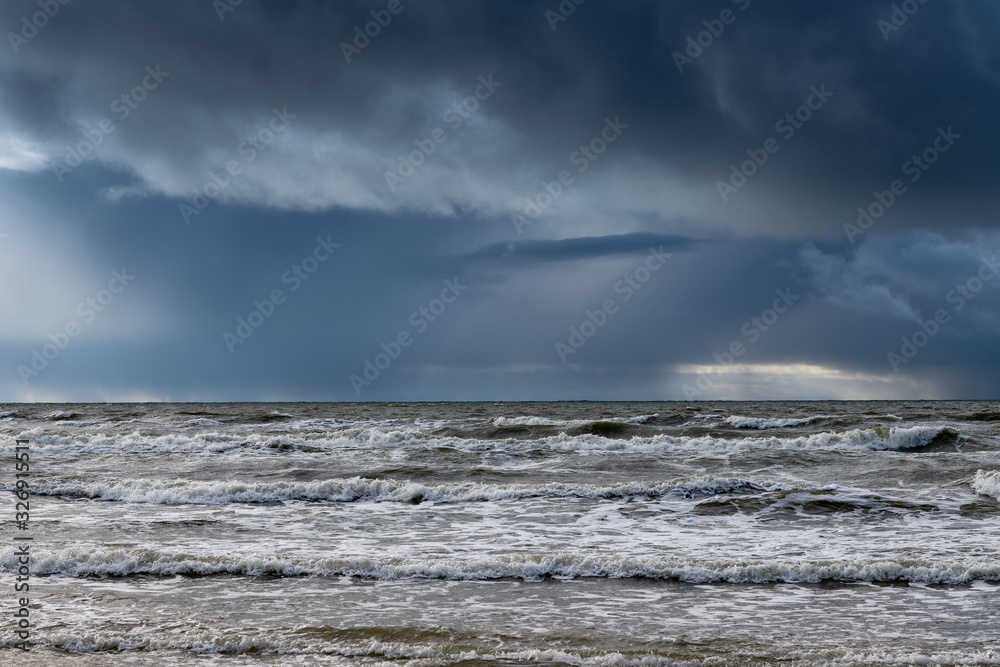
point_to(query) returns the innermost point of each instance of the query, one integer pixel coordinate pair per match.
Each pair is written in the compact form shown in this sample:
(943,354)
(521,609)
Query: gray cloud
(551,97)
(911,277)
(353,121)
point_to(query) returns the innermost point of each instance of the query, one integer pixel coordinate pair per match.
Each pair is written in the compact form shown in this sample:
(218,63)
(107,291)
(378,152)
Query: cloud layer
(550,92)
(745,149)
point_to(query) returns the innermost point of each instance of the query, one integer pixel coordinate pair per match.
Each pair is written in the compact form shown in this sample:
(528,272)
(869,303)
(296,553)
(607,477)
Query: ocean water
(646,534)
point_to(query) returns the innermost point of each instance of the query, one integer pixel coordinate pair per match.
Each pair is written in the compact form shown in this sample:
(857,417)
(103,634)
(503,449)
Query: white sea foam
(871,439)
(531,421)
(330,424)
(763,423)
(641,419)
(544,421)
(201,421)
(882,438)
(188,492)
(987,483)
(905,657)
(304,642)
(100,562)
(206,642)
(300,642)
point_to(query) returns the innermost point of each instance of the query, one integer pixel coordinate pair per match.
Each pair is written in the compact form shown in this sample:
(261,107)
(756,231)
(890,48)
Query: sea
(462,534)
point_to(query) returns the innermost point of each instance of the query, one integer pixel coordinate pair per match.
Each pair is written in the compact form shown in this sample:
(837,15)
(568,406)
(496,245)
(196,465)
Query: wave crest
(764,423)
(987,483)
(188,492)
(98,562)
(354,438)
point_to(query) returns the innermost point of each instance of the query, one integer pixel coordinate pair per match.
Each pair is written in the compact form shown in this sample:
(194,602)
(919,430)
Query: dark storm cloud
(496,112)
(354,120)
(912,277)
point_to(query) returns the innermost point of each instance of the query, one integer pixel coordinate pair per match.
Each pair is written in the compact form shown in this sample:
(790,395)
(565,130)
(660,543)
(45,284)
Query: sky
(416,200)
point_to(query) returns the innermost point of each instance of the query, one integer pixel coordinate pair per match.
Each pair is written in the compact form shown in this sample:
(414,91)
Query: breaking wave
(431,647)
(763,423)
(595,439)
(99,562)
(187,492)
(544,421)
(987,483)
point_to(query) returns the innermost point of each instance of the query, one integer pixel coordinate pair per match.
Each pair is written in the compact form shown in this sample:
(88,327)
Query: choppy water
(495,534)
